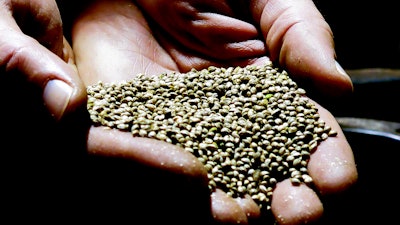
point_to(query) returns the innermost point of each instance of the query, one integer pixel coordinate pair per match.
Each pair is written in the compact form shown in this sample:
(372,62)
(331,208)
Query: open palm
(116,40)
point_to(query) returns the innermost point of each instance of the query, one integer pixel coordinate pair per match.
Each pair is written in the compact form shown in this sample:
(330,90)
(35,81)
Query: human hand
(34,52)
(109,39)
(33,49)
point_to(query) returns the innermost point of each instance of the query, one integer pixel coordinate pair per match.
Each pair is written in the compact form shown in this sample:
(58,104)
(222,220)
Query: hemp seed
(250,126)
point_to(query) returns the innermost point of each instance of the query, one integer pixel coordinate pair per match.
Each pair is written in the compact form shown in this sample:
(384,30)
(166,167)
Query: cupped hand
(115,40)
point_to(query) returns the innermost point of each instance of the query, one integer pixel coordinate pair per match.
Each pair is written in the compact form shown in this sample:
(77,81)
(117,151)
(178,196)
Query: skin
(108,40)
(115,40)
(42,56)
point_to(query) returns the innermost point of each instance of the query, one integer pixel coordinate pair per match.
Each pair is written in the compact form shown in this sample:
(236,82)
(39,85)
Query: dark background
(366,33)
(367,41)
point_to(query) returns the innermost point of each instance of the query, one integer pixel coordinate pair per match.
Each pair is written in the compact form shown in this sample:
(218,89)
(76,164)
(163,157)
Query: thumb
(48,66)
(301,41)
(62,89)
(65,95)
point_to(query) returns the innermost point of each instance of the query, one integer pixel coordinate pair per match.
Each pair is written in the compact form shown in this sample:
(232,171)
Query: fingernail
(56,97)
(340,69)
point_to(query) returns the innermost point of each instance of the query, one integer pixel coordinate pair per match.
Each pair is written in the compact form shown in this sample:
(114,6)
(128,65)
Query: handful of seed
(251,127)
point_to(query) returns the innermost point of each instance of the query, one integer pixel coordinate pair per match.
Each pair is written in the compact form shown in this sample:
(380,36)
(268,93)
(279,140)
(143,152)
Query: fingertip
(321,74)
(346,78)
(250,207)
(333,81)
(56,96)
(226,210)
(63,92)
(332,166)
(311,58)
(295,204)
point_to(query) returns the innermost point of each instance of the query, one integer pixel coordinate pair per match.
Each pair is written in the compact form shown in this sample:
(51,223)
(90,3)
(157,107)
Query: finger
(227,210)
(151,173)
(157,154)
(209,29)
(249,207)
(63,91)
(299,38)
(332,165)
(295,204)
(41,20)
(332,168)
(219,37)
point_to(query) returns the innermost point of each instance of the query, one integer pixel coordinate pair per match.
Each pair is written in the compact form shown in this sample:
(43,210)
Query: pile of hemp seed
(250,126)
